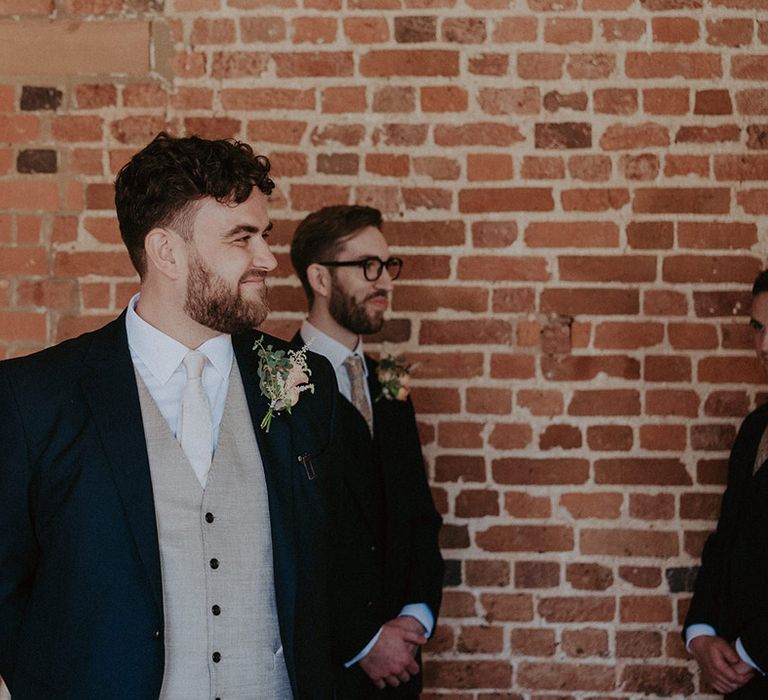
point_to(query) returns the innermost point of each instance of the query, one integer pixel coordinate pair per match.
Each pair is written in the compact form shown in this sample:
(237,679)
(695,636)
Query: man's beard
(211,302)
(351,314)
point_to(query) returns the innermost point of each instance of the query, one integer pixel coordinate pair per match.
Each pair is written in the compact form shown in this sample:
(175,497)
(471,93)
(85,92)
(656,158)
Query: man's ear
(319,278)
(163,250)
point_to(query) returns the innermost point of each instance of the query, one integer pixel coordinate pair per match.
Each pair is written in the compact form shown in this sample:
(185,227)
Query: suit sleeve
(425,579)
(18,549)
(705,607)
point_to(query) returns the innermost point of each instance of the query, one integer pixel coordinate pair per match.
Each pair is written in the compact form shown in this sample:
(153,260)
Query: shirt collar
(162,354)
(330,348)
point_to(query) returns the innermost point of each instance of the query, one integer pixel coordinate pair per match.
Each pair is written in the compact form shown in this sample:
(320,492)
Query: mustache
(254,276)
(375,295)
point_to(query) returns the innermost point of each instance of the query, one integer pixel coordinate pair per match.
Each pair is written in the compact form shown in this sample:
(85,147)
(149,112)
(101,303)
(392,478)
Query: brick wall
(579,190)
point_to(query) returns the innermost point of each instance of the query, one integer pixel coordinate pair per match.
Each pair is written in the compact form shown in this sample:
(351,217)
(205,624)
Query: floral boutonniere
(282,377)
(394,375)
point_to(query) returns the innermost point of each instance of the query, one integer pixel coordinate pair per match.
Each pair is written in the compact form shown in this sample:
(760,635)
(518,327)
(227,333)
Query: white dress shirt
(158,359)
(336,353)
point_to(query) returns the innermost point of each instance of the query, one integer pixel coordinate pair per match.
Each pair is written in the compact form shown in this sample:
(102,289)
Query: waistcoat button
(216,610)
(214,563)
(209,517)
(216,657)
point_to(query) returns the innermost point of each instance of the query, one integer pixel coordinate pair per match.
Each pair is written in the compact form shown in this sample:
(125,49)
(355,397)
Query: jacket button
(156,634)
(214,563)
(216,657)
(369,604)
(216,610)
(373,547)
(209,517)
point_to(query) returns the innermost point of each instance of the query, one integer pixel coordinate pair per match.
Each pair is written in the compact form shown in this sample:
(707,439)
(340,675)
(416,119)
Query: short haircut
(320,236)
(761,283)
(163,182)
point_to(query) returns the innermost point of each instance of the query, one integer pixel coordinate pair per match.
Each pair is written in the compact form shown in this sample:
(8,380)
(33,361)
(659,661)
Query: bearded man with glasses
(387,569)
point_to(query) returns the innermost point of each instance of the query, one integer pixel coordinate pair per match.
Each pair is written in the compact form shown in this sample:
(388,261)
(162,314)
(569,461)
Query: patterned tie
(195,425)
(354,366)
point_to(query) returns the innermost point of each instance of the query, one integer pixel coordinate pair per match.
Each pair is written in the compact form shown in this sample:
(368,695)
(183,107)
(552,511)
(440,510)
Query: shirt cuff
(423,614)
(366,649)
(698,630)
(746,658)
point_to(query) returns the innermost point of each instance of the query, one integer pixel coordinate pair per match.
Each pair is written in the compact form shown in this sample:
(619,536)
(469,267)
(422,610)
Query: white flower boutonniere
(394,375)
(282,377)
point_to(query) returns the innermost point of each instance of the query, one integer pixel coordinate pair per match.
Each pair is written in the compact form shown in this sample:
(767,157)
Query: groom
(156,541)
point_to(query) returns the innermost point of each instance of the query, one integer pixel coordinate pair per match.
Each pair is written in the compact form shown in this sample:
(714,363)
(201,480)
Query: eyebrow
(246,228)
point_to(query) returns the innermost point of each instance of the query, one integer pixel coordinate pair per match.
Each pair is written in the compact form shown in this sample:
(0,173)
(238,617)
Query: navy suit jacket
(385,551)
(81,611)
(730,592)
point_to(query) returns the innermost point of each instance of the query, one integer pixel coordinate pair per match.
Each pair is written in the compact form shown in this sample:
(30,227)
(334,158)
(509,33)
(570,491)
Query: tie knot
(194,362)
(353,364)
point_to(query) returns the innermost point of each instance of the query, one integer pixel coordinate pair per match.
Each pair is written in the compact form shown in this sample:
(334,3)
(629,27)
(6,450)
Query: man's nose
(263,258)
(385,280)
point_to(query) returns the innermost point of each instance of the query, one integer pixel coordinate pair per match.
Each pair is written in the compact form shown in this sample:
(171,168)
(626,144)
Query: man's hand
(391,661)
(720,665)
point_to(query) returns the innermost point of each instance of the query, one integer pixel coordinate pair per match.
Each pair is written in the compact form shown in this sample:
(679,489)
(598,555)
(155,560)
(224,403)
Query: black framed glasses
(372,267)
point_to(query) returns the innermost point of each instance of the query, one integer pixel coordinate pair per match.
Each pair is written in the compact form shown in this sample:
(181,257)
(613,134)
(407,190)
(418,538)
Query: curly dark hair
(323,232)
(156,187)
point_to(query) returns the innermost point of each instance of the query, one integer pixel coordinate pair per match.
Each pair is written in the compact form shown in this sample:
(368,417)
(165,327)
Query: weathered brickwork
(579,189)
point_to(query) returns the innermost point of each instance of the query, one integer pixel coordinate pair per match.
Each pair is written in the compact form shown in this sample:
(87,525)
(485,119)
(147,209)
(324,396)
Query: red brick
(409,63)
(508,101)
(241,64)
(730,32)
(712,438)
(366,30)
(510,436)
(626,268)
(525,538)
(314,30)
(600,301)
(590,168)
(659,506)
(667,368)
(26,194)
(436,167)
(595,199)
(540,402)
(467,674)
(641,470)
(615,101)
(567,30)
(532,642)
(671,402)
(595,234)
(521,505)
(540,66)
(622,29)
(476,503)
(646,135)
(277,131)
(514,29)
(464,30)
(313,64)
(645,609)
(606,506)
(658,680)
(489,64)
(556,676)
(589,577)
(753,201)
(686,165)
(266,99)
(641,576)
(505,199)
(700,506)
(263,30)
(213,31)
(628,335)
(692,66)
(566,437)
(675,30)
(604,402)
(519,470)
(682,200)
(712,269)
(444,99)
(577,609)
(727,404)
(629,543)
(487,573)
(595,66)
(387,164)
(488,400)
(477,134)
(23,326)
(507,300)
(480,640)
(459,468)
(584,643)
(23,261)
(666,101)
(542,168)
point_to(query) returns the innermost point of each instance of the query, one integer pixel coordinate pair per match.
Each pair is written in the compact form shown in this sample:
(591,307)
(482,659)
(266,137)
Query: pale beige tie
(762,452)
(195,425)
(356,372)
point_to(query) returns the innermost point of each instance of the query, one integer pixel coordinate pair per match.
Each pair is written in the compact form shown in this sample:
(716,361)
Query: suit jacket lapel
(110,389)
(275,447)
